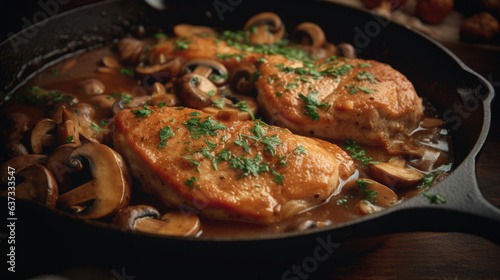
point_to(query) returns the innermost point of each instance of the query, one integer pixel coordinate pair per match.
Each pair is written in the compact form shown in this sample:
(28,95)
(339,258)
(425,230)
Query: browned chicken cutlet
(238,170)
(339,99)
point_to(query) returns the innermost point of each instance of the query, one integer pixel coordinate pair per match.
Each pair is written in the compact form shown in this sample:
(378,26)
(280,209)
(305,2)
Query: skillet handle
(465,210)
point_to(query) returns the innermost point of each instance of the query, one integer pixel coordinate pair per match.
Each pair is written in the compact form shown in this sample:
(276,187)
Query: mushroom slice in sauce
(110,187)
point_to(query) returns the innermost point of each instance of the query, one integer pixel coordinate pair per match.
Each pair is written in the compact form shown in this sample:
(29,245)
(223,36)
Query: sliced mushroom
(195,90)
(160,71)
(57,165)
(19,163)
(242,77)
(187,30)
(373,195)
(84,112)
(265,28)
(310,34)
(130,50)
(110,187)
(160,97)
(208,68)
(68,132)
(136,102)
(17,125)
(103,102)
(91,87)
(37,184)
(395,176)
(347,50)
(111,62)
(42,135)
(15,148)
(145,218)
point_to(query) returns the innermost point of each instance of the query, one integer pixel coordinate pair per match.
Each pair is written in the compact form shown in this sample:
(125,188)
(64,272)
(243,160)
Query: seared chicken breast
(338,99)
(236,170)
(332,99)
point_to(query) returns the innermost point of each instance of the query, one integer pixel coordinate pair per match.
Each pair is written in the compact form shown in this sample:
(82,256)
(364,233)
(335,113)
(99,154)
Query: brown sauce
(66,75)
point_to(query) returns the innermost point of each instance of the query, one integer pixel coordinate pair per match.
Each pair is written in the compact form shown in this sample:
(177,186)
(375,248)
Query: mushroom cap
(269,28)
(130,50)
(127,217)
(90,87)
(42,135)
(19,163)
(205,68)
(57,165)
(39,185)
(15,148)
(308,33)
(110,187)
(242,77)
(161,71)
(383,198)
(194,90)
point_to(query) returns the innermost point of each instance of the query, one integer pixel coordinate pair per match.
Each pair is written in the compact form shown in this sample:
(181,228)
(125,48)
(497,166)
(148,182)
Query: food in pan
(204,132)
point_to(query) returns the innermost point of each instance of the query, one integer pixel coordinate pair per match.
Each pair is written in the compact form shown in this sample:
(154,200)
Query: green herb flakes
(144,112)
(165,133)
(311,104)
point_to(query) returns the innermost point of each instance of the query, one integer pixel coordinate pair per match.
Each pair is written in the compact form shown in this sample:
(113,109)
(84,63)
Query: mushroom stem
(82,194)
(203,70)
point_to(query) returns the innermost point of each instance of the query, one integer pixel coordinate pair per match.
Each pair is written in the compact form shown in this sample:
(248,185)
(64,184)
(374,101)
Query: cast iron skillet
(48,240)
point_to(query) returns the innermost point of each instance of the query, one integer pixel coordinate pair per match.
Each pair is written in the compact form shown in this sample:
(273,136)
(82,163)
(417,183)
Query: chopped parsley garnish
(300,150)
(343,201)
(210,145)
(226,57)
(165,133)
(161,105)
(144,112)
(160,36)
(126,98)
(355,88)
(278,178)
(429,178)
(41,96)
(208,127)
(358,153)
(369,195)
(211,92)
(219,103)
(262,59)
(181,45)
(366,76)
(311,104)
(242,106)
(127,71)
(70,139)
(190,182)
(216,77)
(364,65)
(222,156)
(56,72)
(259,135)
(435,198)
(291,85)
(243,143)
(255,76)
(253,166)
(95,127)
(194,114)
